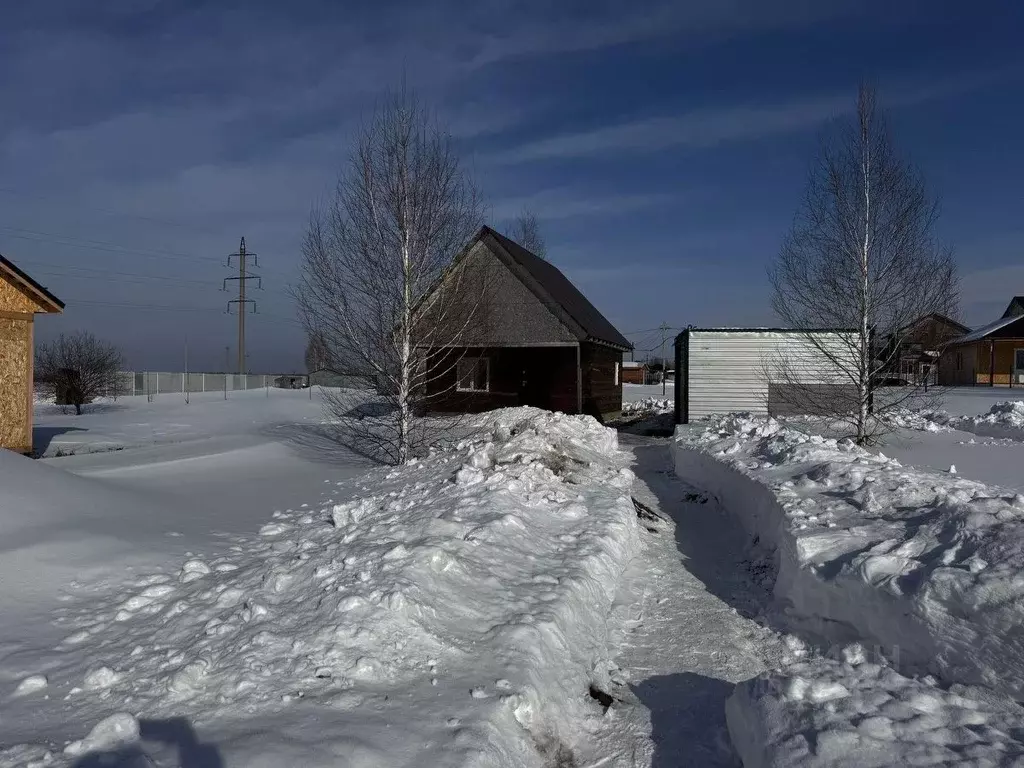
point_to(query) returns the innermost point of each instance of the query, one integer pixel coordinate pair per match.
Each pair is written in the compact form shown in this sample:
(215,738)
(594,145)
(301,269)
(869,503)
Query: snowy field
(219,584)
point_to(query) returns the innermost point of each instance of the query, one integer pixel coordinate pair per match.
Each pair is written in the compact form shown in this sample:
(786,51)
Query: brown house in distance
(634,372)
(992,355)
(21,298)
(917,361)
(544,343)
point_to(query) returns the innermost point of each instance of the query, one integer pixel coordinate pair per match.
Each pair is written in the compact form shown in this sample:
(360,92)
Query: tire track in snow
(696,596)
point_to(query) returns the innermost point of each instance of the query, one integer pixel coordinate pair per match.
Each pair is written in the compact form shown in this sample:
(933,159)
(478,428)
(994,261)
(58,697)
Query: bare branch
(525,230)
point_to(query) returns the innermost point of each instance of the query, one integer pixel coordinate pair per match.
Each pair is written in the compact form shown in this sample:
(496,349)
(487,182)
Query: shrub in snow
(928,566)
(472,587)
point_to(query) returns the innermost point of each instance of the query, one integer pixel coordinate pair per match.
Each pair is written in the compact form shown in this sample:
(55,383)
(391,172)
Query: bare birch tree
(373,256)
(861,255)
(525,230)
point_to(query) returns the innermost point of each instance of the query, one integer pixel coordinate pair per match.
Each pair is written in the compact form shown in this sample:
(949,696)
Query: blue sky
(664,145)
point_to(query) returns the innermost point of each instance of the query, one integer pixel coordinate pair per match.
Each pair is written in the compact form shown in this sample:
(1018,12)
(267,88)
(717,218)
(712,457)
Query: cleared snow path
(695,635)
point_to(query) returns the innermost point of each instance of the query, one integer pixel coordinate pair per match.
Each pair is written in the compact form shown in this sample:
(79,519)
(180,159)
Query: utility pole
(227,365)
(664,366)
(184,385)
(241,301)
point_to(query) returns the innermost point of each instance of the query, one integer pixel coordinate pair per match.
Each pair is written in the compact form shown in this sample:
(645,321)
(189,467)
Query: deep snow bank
(858,713)
(454,613)
(928,566)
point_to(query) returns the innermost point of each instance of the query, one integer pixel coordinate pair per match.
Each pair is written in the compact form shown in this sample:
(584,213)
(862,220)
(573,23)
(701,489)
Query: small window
(616,374)
(959,361)
(474,374)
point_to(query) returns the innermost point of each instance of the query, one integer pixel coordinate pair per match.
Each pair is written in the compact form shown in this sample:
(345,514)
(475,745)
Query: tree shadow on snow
(322,443)
(175,732)
(688,720)
(43,436)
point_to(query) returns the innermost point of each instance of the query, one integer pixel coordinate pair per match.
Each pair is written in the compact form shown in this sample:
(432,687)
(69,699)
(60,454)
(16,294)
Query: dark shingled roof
(562,292)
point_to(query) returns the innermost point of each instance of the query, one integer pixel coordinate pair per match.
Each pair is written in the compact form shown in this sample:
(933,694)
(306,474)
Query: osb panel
(15,367)
(13,299)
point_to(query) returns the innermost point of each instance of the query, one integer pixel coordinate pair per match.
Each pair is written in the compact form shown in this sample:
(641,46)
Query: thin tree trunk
(865,286)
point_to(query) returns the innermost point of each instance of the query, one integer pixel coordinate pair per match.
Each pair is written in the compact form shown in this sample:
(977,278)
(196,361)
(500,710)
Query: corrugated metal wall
(731,370)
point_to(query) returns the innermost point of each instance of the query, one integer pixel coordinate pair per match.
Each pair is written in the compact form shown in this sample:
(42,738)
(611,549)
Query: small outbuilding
(21,299)
(543,344)
(774,371)
(634,372)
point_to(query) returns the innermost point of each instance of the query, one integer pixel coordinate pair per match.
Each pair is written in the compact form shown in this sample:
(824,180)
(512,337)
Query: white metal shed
(723,370)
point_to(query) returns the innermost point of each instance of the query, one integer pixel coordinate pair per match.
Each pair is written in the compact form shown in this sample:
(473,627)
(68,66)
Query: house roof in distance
(1015,308)
(43,297)
(985,330)
(939,318)
(560,291)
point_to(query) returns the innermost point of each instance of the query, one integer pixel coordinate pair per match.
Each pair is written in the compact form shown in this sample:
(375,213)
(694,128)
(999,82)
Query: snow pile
(854,712)
(457,613)
(921,420)
(647,406)
(1005,419)
(928,566)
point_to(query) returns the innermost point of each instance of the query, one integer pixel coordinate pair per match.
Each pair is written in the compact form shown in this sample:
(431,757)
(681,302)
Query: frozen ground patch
(455,614)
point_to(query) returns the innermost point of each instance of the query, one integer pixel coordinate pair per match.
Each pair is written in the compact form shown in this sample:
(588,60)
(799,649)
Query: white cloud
(710,126)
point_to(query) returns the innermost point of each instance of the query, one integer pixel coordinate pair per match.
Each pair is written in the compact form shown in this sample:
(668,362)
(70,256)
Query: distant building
(634,372)
(992,355)
(918,358)
(21,299)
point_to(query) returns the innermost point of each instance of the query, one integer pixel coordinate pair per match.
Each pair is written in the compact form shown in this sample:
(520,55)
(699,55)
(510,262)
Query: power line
(118,277)
(157,307)
(43,237)
(106,211)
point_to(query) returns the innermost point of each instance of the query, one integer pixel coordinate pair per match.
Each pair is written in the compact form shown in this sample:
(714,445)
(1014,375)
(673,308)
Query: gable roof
(554,288)
(43,297)
(941,319)
(1015,308)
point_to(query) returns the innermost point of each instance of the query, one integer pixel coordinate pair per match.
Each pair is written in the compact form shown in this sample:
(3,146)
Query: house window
(959,361)
(616,374)
(474,374)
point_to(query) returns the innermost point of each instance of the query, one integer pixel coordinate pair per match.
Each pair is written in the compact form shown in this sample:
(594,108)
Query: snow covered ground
(632,393)
(451,612)
(921,567)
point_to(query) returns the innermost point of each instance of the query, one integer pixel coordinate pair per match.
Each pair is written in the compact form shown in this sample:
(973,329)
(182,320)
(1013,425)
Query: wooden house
(634,372)
(543,343)
(992,355)
(914,354)
(21,299)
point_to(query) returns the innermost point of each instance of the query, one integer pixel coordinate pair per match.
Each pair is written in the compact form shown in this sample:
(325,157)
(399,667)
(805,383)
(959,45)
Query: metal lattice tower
(243,277)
